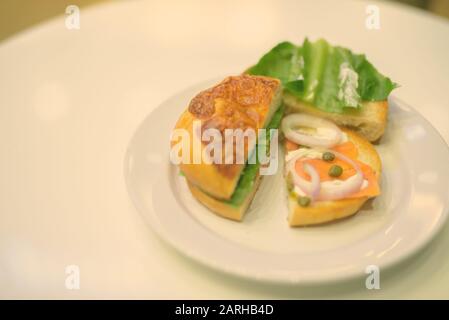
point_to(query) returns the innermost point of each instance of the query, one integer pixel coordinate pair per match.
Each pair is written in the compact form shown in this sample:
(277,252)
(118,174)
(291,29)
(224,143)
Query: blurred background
(17,15)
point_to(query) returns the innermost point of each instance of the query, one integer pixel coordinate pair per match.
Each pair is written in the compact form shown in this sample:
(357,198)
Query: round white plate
(411,209)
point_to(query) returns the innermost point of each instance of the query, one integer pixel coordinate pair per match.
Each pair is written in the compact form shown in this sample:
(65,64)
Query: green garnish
(328,156)
(249,173)
(303,201)
(331,78)
(335,171)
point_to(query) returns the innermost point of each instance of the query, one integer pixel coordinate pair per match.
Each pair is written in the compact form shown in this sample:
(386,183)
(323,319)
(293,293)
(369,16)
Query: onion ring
(305,120)
(310,188)
(332,191)
(328,190)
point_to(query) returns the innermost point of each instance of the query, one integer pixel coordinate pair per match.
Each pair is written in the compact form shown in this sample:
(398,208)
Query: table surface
(70,101)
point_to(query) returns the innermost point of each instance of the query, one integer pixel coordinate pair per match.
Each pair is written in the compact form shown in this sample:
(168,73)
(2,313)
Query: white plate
(412,208)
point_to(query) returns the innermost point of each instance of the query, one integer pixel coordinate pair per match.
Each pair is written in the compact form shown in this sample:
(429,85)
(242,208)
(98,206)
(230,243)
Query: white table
(71,99)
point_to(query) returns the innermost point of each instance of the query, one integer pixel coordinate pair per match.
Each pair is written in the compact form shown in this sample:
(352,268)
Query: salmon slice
(348,149)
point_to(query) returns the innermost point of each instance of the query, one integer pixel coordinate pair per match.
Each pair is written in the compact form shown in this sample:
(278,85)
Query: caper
(303,201)
(328,156)
(335,171)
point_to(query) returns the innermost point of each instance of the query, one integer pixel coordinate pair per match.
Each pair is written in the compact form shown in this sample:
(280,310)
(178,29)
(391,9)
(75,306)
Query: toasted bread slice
(325,211)
(223,208)
(369,121)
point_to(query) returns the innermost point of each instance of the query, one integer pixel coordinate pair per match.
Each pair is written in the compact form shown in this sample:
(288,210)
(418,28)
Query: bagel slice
(369,120)
(357,149)
(224,208)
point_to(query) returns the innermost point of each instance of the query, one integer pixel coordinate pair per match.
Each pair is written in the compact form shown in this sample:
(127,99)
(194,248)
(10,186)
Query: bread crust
(369,121)
(327,211)
(238,102)
(221,208)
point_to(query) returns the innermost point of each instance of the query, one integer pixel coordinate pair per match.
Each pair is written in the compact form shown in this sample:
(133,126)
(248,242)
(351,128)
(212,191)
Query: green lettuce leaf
(282,62)
(249,173)
(331,78)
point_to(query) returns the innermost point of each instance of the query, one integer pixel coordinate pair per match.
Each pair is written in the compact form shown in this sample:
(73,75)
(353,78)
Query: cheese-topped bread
(238,102)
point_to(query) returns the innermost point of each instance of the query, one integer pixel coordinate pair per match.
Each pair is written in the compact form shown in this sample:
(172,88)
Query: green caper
(303,201)
(335,171)
(328,156)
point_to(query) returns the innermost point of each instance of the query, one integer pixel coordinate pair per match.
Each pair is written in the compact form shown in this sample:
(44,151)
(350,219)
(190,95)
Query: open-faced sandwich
(335,103)
(330,172)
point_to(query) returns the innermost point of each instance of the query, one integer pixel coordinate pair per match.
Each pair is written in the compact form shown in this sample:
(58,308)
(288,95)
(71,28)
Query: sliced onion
(291,123)
(310,188)
(326,190)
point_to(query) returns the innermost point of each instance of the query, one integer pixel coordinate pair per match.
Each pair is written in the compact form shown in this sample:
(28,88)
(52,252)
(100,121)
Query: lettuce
(331,78)
(249,173)
(282,62)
